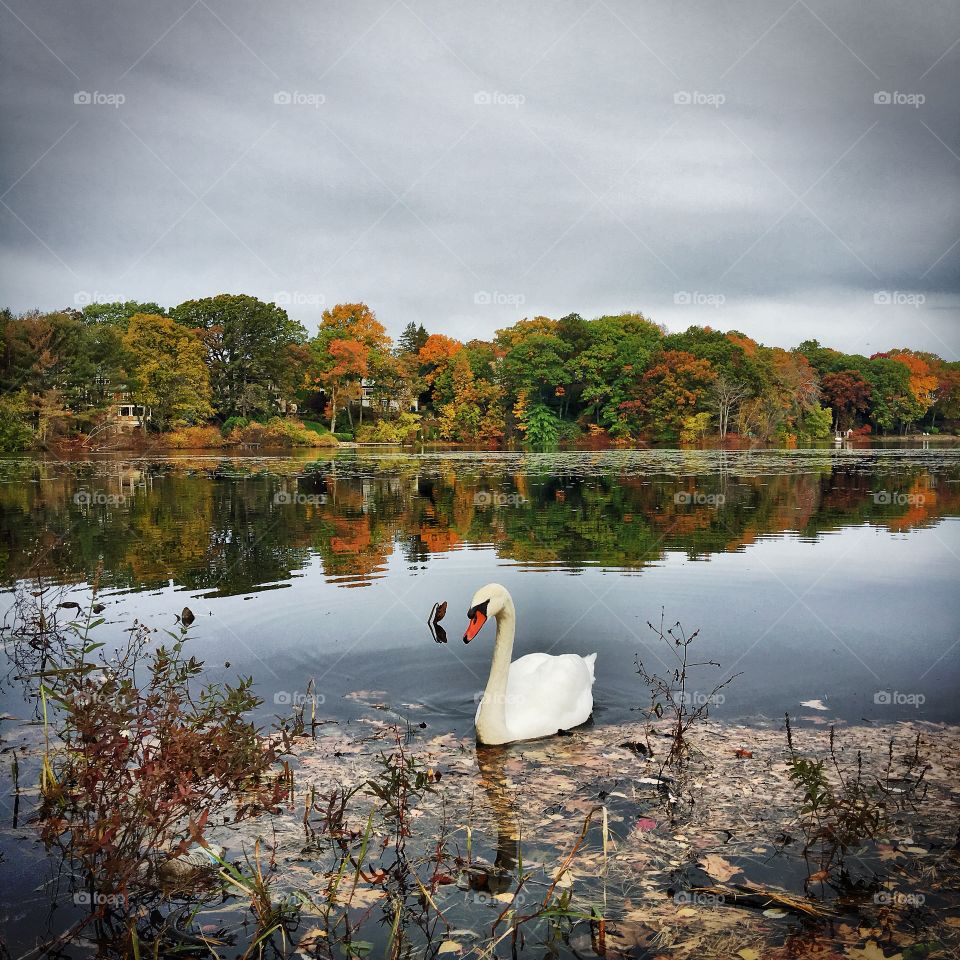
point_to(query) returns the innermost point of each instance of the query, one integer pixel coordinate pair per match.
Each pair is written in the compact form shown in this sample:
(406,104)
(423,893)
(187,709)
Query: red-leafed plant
(139,756)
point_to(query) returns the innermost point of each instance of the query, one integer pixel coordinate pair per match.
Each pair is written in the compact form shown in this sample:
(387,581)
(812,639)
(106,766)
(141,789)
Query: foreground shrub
(278,432)
(194,438)
(233,423)
(402,430)
(138,758)
(15,432)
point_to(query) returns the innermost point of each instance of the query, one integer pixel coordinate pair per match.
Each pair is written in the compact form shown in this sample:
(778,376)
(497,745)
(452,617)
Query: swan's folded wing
(548,693)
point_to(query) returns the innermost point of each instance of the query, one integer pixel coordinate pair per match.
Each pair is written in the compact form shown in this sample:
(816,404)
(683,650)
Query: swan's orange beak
(478,617)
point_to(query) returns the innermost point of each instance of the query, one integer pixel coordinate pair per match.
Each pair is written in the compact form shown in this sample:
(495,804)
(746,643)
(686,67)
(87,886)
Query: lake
(824,582)
(818,575)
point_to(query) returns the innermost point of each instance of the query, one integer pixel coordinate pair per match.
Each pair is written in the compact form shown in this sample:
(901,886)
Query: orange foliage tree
(674,388)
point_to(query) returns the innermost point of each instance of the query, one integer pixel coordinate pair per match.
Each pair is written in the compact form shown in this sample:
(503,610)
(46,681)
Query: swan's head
(487,602)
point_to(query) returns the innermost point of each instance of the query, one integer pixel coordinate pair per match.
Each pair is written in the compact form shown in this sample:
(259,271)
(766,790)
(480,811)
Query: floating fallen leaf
(872,952)
(775,912)
(363,896)
(449,946)
(814,704)
(718,868)
(310,942)
(645,823)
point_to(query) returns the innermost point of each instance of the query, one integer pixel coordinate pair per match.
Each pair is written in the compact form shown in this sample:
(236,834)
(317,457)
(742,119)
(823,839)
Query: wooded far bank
(233,369)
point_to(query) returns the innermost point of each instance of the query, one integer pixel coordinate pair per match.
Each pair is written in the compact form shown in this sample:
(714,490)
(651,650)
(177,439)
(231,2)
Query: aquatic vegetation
(674,696)
(840,807)
(137,759)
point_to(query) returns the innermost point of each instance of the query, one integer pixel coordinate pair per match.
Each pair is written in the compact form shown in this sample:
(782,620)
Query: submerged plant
(840,807)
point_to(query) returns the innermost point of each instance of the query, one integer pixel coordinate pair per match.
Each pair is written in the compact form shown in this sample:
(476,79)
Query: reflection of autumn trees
(228,531)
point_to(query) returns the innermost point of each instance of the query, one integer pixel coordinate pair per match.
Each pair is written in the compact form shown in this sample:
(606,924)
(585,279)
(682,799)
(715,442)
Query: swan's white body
(534,696)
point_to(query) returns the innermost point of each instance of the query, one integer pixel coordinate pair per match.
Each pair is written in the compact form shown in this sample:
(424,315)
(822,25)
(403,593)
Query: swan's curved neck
(492,717)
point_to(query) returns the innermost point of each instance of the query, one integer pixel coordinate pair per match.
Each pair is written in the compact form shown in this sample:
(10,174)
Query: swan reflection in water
(503,809)
(505,804)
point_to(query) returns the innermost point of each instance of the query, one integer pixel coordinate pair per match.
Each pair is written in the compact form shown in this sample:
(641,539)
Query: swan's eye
(479,608)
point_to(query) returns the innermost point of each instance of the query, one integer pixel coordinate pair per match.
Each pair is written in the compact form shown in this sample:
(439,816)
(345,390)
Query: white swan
(534,696)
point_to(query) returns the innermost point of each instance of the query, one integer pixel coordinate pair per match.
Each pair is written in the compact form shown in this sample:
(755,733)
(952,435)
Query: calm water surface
(819,574)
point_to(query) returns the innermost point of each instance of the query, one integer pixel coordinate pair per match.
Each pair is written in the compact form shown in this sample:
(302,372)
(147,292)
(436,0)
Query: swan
(534,696)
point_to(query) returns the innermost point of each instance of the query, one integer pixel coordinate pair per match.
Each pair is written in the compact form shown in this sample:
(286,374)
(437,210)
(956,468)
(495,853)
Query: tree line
(232,358)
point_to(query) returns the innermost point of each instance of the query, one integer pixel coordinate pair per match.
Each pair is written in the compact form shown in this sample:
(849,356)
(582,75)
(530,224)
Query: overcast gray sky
(465,164)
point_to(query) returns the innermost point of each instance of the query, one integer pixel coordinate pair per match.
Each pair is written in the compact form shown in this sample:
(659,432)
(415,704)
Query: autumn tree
(473,412)
(946,398)
(253,351)
(727,396)
(921,385)
(353,321)
(435,355)
(848,395)
(345,364)
(619,348)
(676,387)
(118,314)
(168,372)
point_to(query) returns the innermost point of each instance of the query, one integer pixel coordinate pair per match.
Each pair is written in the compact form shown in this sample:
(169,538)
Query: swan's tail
(590,661)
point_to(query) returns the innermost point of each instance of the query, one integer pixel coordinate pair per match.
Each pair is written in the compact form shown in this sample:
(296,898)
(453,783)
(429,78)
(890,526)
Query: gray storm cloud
(786,169)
